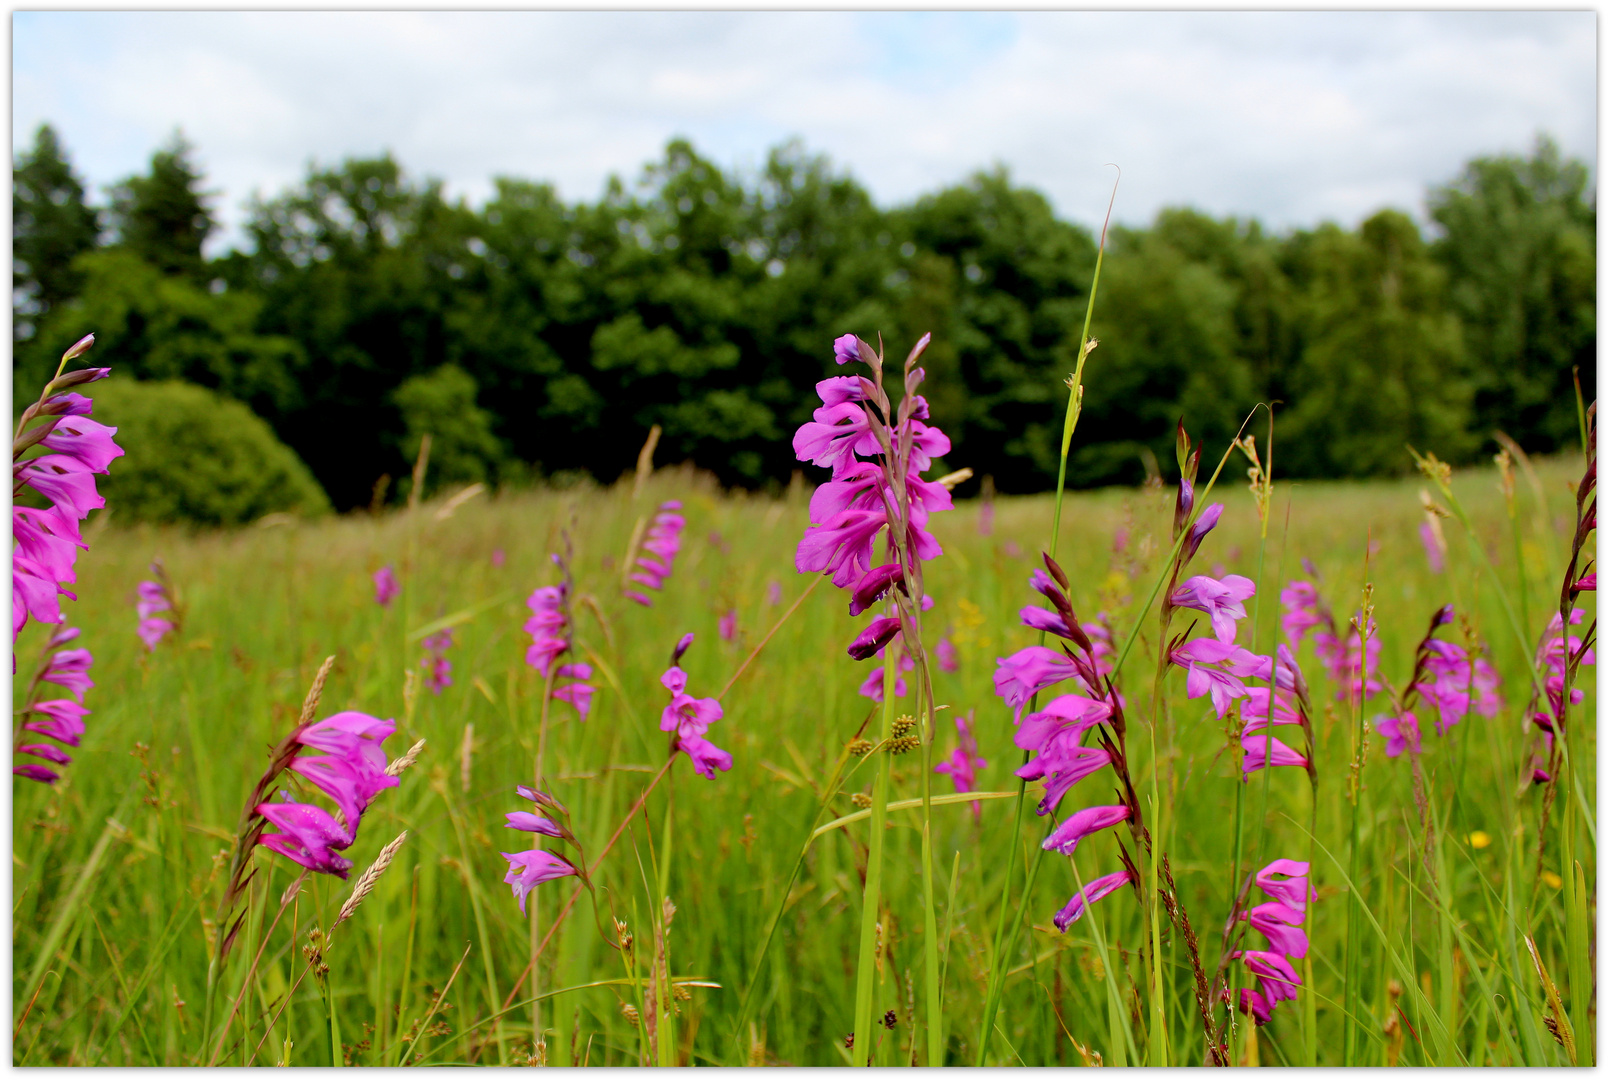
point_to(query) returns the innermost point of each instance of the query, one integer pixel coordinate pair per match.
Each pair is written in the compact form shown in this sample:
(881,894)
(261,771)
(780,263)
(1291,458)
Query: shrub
(193,455)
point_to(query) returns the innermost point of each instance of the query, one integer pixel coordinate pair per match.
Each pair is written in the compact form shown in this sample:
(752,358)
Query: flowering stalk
(659,552)
(47,541)
(158,609)
(63,718)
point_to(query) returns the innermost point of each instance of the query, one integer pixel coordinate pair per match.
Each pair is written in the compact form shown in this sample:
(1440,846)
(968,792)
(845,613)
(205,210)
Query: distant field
(143,818)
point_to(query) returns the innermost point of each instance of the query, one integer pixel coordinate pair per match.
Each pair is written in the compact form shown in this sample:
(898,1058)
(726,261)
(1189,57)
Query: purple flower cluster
(47,541)
(1447,681)
(962,765)
(1055,733)
(1279,921)
(62,718)
(1556,650)
(351,771)
(548,627)
(1304,612)
(687,718)
(155,600)
(437,664)
(876,454)
(659,552)
(528,869)
(386,586)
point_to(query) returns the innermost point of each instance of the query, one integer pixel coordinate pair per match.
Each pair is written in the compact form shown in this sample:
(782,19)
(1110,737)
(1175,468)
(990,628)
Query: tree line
(533,336)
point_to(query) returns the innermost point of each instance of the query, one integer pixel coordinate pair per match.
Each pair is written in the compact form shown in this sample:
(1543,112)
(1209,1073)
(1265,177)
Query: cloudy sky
(1290,117)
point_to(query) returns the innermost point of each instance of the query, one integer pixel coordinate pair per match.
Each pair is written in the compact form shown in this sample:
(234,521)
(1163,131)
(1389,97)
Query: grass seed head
(365,883)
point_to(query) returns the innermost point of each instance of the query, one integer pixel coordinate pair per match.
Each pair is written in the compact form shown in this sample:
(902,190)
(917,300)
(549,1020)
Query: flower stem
(935,1007)
(872,898)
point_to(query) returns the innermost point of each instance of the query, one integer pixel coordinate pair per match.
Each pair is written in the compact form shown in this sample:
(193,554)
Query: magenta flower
(846,348)
(437,664)
(546,626)
(1303,611)
(64,720)
(659,552)
(307,836)
(728,626)
(688,718)
(871,640)
(351,771)
(1432,548)
(533,823)
(47,541)
(872,686)
(1197,532)
(1095,891)
(69,668)
(528,869)
(948,658)
(1217,668)
(773,594)
(153,600)
(1279,923)
(1221,601)
(386,587)
(1278,920)
(1254,710)
(963,764)
(1262,750)
(1089,820)
(1025,673)
(874,586)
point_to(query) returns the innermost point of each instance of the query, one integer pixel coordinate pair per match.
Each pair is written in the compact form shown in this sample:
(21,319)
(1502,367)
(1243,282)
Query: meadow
(742,894)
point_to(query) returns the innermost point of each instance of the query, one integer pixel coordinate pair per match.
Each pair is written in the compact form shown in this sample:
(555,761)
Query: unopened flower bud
(80,347)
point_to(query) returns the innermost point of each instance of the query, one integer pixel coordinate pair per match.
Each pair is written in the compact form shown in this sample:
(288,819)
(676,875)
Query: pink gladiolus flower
(1301,611)
(1095,891)
(437,664)
(1432,548)
(65,481)
(948,658)
(532,823)
(1286,880)
(874,586)
(386,587)
(153,599)
(1262,750)
(728,626)
(963,764)
(871,640)
(64,720)
(872,686)
(1222,601)
(846,348)
(1033,669)
(1216,667)
(688,718)
(86,440)
(1197,532)
(69,668)
(1279,923)
(773,594)
(1063,769)
(1276,978)
(308,836)
(528,869)
(1586,583)
(659,551)
(1090,820)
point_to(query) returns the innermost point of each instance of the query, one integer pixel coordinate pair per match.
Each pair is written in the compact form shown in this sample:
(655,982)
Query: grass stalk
(872,896)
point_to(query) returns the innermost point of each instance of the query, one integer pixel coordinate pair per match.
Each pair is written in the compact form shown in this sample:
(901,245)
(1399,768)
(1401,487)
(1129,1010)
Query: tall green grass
(118,869)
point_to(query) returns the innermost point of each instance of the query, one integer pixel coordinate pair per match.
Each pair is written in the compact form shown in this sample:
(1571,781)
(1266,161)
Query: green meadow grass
(118,869)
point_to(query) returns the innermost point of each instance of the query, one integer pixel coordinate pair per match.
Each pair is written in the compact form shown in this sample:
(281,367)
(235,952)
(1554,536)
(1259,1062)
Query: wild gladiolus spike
(46,541)
(1278,920)
(964,763)
(687,719)
(61,719)
(549,628)
(659,552)
(436,663)
(158,612)
(386,587)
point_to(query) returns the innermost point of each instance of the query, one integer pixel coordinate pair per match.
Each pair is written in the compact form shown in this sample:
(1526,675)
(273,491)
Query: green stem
(935,1006)
(872,899)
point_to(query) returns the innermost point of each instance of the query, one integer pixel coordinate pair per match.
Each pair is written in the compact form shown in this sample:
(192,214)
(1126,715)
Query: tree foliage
(366,309)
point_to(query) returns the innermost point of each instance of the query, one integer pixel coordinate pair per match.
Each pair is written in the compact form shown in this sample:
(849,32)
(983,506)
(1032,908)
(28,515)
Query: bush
(193,455)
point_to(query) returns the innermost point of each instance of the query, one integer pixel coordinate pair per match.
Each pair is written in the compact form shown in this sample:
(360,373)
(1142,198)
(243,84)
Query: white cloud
(1290,117)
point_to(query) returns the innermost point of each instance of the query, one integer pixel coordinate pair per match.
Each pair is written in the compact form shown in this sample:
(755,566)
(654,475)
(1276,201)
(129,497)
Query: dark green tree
(51,226)
(1002,284)
(163,216)
(1519,244)
(1382,363)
